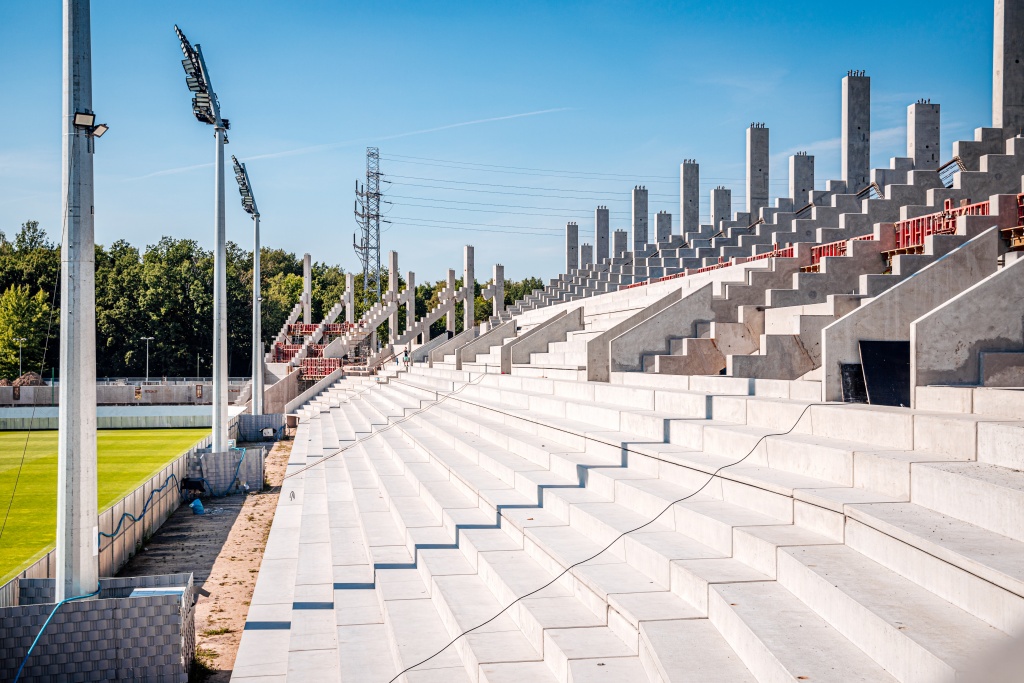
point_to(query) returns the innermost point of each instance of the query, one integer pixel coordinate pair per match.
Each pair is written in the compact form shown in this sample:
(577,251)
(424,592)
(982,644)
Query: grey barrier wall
(111,417)
(115,552)
(111,637)
(123,394)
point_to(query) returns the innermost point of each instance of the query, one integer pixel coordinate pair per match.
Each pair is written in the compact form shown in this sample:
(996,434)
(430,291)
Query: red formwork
(786,252)
(835,248)
(284,352)
(301,329)
(911,233)
(318,368)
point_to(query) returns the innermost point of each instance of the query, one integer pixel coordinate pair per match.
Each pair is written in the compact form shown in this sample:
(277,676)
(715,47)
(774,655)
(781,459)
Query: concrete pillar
(586,255)
(600,234)
(757,169)
(619,246)
(498,299)
(639,218)
(923,135)
(801,179)
(77,564)
(350,298)
(663,227)
(410,301)
(469,281)
(450,321)
(392,295)
(856,150)
(256,407)
(1008,68)
(689,196)
(721,205)
(572,247)
(307,289)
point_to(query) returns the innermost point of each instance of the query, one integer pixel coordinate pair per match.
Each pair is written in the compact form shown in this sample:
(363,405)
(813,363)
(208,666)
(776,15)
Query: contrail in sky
(335,145)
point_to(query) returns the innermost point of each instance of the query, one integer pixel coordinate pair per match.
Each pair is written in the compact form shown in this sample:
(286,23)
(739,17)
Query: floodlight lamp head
(99,129)
(205,106)
(84,119)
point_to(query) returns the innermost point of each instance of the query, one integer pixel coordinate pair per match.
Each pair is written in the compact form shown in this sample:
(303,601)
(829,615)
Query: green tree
(22,315)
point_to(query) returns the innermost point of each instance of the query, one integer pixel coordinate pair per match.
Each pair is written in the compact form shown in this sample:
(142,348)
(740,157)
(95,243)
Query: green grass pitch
(127,457)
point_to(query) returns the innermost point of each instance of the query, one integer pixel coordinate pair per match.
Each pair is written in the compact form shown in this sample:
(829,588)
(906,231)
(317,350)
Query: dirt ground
(223,549)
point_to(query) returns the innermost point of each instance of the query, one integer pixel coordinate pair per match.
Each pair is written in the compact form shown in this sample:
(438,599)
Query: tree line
(165,291)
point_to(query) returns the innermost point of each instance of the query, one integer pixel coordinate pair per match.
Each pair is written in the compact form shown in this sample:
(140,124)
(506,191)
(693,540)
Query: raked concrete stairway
(854,543)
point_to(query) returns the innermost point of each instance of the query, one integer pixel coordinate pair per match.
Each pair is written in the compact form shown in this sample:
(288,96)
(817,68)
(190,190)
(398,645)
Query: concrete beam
(639,218)
(923,135)
(801,179)
(1008,68)
(856,149)
(757,169)
(572,247)
(689,196)
(600,233)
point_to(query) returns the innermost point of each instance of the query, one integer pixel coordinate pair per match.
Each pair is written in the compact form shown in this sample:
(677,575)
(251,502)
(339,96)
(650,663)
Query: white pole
(147,360)
(257,342)
(220,317)
(77,532)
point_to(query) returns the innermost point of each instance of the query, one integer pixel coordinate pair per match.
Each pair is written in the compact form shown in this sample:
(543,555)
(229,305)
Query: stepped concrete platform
(651,528)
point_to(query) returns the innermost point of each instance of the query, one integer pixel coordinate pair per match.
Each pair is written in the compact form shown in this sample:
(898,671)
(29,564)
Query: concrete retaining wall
(116,417)
(293,404)
(652,335)
(277,396)
(599,348)
(945,344)
(537,338)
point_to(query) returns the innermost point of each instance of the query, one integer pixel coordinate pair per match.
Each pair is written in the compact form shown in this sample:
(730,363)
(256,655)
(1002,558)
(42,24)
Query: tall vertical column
(924,135)
(801,179)
(663,227)
(307,289)
(450,318)
(721,205)
(498,299)
(392,295)
(620,246)
(410,301)
(600,233)
(689,196)
(350,298)
(469,280)
(257,334)
(856,131)
(639,219)
(586,255)
(757,169)
(1008,68)
(572,247)
(77,533)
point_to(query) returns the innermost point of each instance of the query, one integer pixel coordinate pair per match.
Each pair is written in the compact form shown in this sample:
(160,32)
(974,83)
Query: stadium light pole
(77,571)
(206,108)
(147,340)
(20,340)
(249,205)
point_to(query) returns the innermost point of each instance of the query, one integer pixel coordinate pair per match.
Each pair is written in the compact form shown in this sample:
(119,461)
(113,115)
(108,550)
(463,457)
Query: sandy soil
(223,549)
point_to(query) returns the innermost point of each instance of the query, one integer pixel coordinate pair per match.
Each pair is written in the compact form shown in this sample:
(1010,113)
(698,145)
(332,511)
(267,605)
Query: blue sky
(548,108)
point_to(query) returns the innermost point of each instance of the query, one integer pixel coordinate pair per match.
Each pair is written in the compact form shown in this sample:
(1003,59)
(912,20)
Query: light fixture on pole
(147,340)
(249,204)
(20,340)
(206,108)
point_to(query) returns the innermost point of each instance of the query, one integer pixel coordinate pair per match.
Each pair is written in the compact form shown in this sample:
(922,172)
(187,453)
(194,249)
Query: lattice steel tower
(367,212)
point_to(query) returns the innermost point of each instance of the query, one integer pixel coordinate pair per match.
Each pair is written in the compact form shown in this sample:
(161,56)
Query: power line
(510,206)
(496,225)
(518,187)
(504,232)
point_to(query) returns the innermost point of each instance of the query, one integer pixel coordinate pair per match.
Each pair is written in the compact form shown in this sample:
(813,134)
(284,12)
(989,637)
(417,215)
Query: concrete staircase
(854,543)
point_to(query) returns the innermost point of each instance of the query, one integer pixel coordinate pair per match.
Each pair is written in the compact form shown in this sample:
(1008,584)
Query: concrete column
(757,169)
(219,436)
(307,289)
(469,281)
(721,205)
(923,135)
(639,218)
(450,321)
(856,151)
(663,226)
(392,294)
(689,196)
(410,301)
(572,247)
(600,233)
(801,179)
(586,255)
(498,300)
(1008,68)
(350,298)
(77,534)
(620,239)
(257,335)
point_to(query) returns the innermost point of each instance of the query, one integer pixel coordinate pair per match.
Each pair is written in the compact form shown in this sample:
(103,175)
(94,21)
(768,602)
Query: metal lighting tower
(367,211)
(206,108)
(77,533)
(249,204)
(20,340)
(147,340)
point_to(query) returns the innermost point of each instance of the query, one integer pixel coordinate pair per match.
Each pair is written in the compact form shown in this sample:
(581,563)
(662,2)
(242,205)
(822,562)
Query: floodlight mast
(249,205)
(206,108)
(77,534)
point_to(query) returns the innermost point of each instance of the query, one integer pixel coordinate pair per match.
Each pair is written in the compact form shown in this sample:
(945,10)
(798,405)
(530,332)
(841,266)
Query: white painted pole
(257,342)
(220,312)
(77,532)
